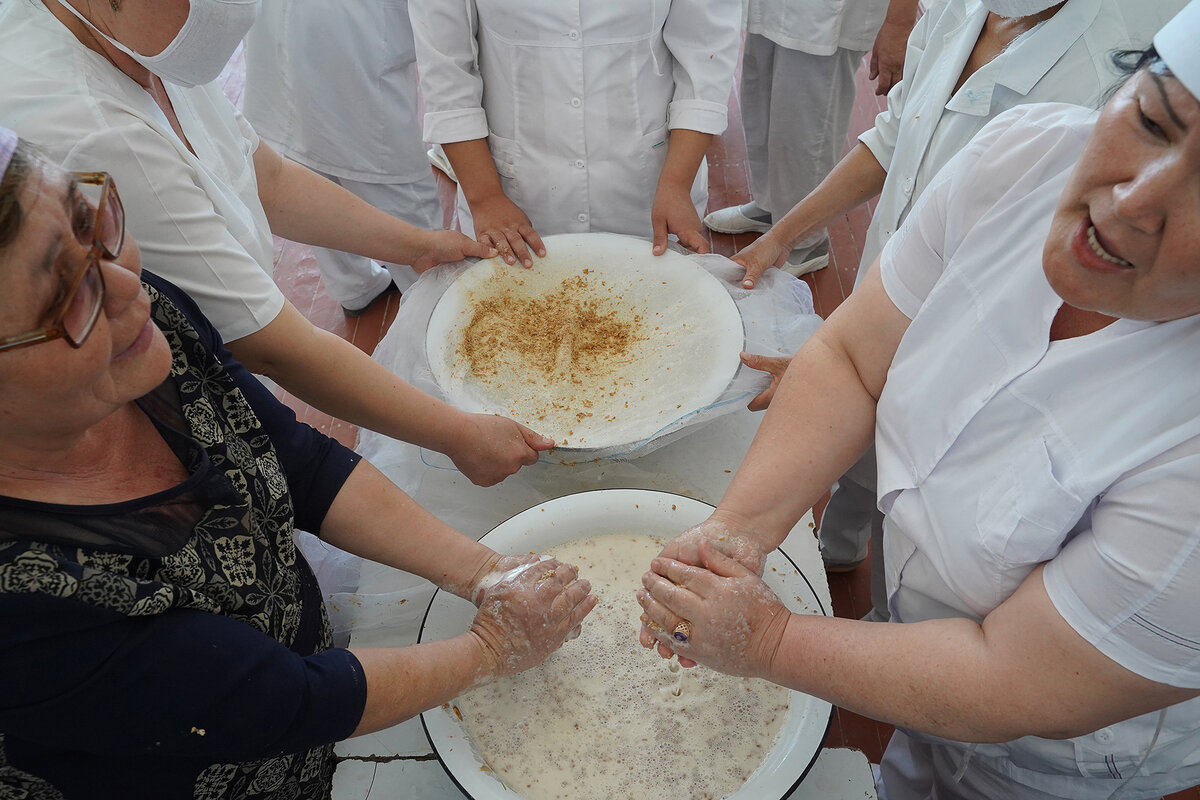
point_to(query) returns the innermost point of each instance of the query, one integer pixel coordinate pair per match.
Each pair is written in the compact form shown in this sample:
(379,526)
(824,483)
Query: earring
(114,5)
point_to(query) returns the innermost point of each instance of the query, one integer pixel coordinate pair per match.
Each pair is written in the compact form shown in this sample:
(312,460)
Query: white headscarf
(1178,43)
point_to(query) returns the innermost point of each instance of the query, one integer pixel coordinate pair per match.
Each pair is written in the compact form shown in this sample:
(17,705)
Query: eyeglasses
(103,232)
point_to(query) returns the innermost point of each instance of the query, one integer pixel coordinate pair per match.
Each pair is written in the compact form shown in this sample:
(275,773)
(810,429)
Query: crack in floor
(385,759)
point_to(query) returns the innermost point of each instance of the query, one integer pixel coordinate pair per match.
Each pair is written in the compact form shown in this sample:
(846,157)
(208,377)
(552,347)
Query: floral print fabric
(239,562)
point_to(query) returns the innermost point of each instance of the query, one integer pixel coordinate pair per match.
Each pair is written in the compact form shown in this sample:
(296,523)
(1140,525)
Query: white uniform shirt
(577,98)
(1006,450)
(818,27)
(1065,59)
(337,91)
(197,218)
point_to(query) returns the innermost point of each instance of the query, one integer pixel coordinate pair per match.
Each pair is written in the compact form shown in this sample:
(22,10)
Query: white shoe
(802,262)
(746,218)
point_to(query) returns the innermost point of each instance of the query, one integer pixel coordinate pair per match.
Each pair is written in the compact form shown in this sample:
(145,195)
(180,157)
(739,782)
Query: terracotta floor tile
(827,291)
(865,734)
(836,736)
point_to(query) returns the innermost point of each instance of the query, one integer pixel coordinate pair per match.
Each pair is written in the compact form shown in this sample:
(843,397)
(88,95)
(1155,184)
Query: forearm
(373,518)
(318,366)
(476,171)
(404,681)
(1023,671)
(685,151)
(820,421)
(935,677)
(853,181)
(901,12)
(306,207)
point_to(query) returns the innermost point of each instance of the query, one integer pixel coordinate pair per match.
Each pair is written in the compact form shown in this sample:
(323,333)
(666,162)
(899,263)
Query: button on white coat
(488,67)
(1104,735)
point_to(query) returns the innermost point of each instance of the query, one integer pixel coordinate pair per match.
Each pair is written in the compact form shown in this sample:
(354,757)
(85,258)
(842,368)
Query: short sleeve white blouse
(196,217)
(1004,450)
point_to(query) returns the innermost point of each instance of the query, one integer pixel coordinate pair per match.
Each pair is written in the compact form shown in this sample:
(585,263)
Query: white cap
(1178,43)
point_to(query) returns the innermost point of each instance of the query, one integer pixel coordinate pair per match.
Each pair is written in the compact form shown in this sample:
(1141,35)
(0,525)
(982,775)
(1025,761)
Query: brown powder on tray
(563,335)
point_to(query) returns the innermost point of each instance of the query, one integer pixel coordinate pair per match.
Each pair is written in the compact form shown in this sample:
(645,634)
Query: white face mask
(203,45)
(1017,8)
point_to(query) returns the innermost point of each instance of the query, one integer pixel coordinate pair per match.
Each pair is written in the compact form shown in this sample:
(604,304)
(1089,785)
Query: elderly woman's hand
(489,448)
(724,534)
(736,621)
(528,613)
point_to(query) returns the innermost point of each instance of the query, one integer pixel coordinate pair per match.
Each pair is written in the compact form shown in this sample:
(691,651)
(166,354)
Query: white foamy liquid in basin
(605,718)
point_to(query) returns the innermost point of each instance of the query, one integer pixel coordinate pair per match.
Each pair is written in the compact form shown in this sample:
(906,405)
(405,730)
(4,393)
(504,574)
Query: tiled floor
(296,272)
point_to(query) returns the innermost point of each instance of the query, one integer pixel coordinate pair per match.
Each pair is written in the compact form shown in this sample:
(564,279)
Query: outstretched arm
(528,608)
(822,418)
(317,366)
(1022,671)
(853,181)
(305,207)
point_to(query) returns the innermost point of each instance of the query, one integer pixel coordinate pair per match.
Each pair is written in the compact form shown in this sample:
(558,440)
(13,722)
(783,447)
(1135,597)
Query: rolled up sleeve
(703,37)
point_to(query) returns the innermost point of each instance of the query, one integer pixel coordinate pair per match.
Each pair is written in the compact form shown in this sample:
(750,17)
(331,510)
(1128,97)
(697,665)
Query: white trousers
(795,111)
(355,280)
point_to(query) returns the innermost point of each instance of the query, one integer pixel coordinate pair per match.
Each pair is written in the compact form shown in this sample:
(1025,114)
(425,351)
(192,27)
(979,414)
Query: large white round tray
(693,336)
(597,513)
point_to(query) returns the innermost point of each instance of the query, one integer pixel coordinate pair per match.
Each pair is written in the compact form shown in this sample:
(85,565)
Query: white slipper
(737,219)
(802,262)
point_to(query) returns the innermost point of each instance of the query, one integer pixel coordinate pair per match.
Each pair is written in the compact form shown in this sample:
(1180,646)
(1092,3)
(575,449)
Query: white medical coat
(337,91)
(1006,450)
(576,99)
(1065,59)
(197,218)
(818,27)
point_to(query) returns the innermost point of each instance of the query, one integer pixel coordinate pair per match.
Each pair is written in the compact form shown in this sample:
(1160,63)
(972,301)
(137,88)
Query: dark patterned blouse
(176,646)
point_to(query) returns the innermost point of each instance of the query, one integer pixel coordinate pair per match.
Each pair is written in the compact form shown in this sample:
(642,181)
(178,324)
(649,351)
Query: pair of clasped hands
(708,575)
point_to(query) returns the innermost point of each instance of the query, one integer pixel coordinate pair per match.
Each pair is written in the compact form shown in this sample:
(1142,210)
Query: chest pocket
(1023,516)
(1117,750)
(399,50)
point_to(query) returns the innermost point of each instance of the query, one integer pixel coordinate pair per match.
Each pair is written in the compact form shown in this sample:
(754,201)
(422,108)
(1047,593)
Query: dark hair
(24,158)
(1127,62)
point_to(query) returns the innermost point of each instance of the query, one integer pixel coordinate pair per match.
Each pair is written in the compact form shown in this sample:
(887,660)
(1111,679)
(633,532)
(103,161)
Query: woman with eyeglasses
(128,86)
(160,636)
(1025,354)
